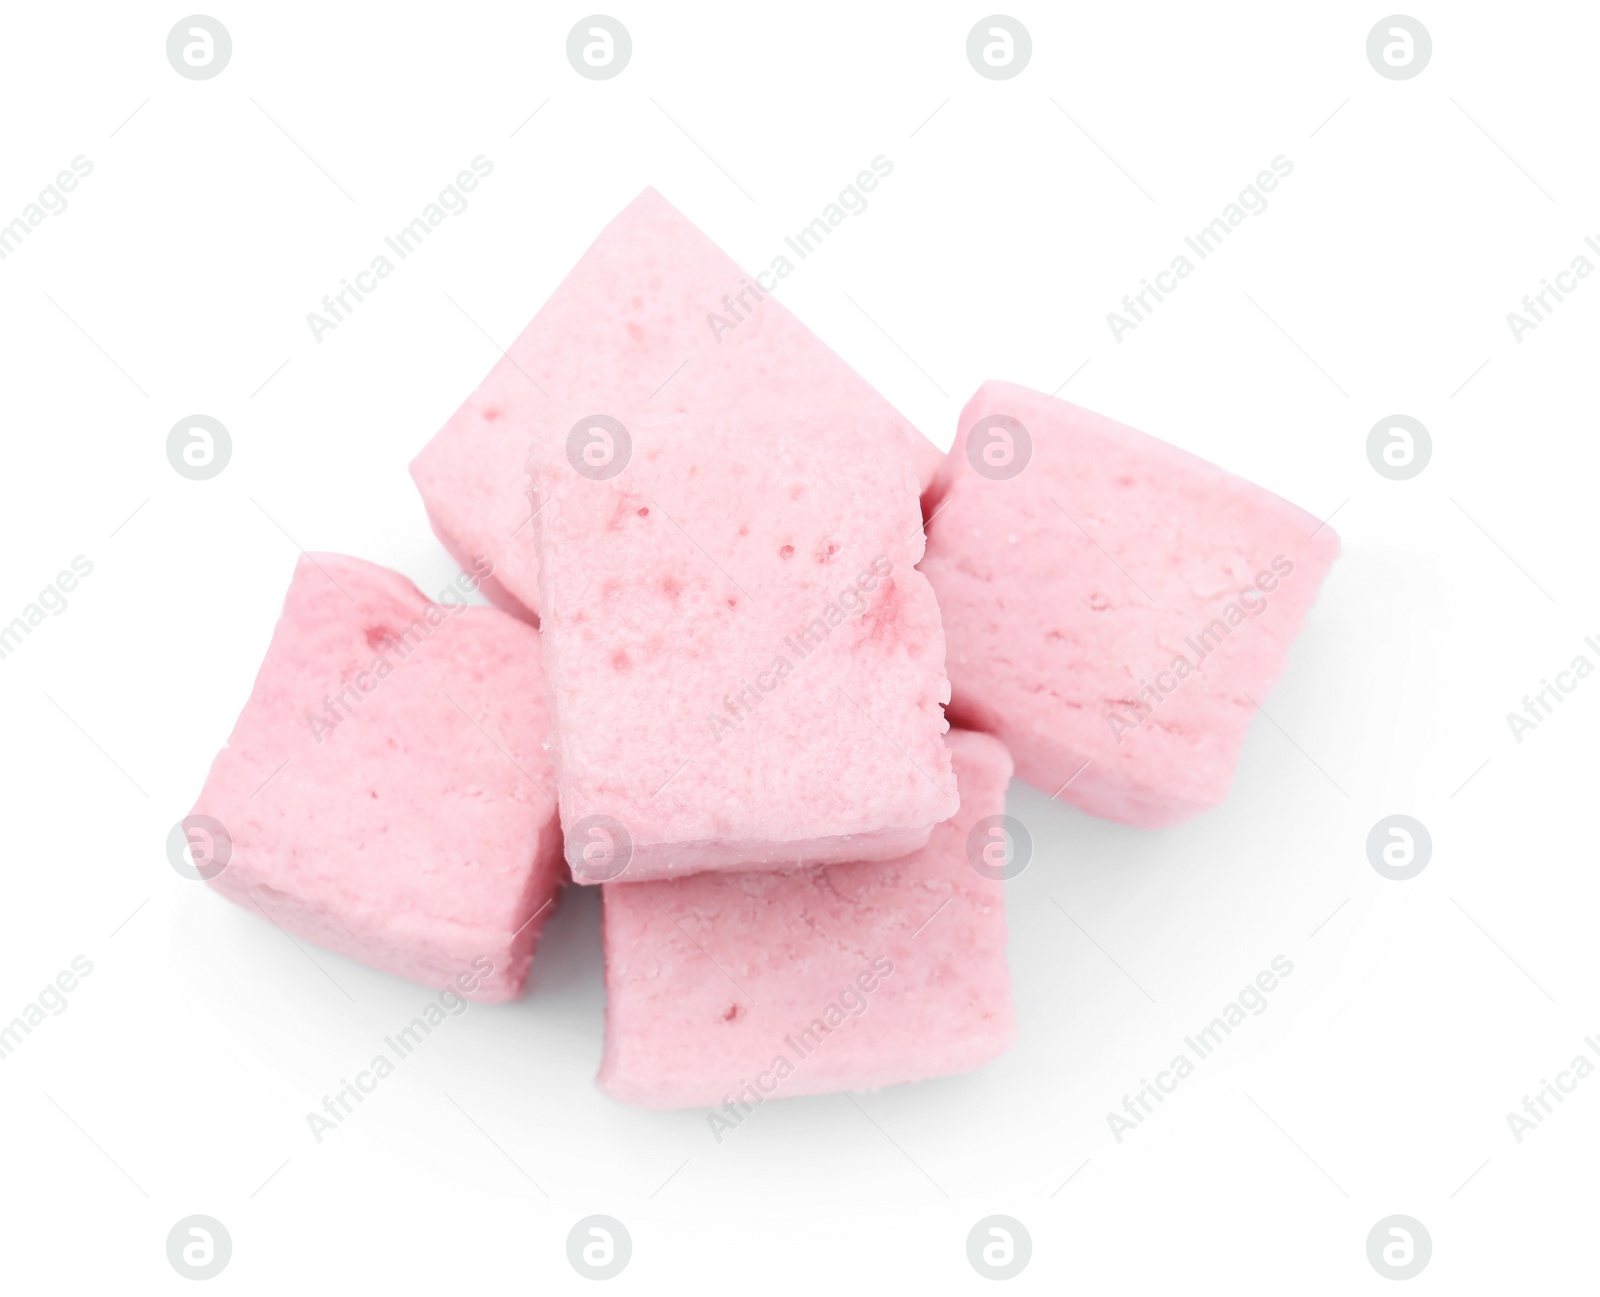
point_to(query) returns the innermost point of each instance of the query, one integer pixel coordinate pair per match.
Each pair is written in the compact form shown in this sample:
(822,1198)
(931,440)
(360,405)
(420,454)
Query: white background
(1419,1013)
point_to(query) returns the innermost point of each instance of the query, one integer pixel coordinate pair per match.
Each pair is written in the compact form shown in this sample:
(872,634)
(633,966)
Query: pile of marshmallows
(734,611)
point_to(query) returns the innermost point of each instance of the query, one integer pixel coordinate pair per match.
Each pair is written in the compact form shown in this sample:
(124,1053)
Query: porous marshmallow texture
(653,312)
(746,669)
(387,791)
(1115,609)
(738,988)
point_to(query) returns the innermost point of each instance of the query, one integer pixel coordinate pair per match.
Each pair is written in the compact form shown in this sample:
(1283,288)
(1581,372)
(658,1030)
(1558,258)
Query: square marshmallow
(729,989)
(746,670)
(387,791)
(1114,607)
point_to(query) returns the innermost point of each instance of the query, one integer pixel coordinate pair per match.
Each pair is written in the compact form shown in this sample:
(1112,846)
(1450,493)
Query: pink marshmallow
(745,667)
(653,312)
(1114,607)
(387,791)
(736,988)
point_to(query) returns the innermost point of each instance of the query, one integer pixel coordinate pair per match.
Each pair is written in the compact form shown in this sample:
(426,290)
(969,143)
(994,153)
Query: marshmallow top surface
(1116,609)
(653,312)
(388,788)
(745,666)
